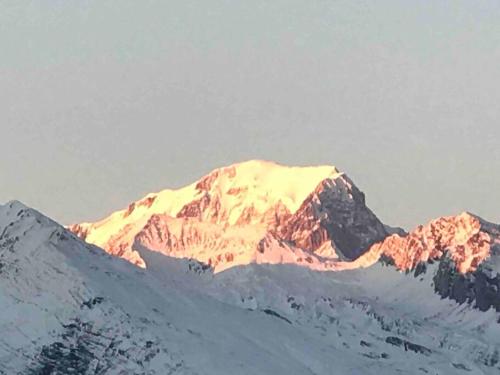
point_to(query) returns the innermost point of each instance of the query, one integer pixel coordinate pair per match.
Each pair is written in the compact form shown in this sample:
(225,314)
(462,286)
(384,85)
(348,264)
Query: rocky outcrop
(480,288)
(81,230)
(466,249)
(196,208)
(465,239)
(335,212)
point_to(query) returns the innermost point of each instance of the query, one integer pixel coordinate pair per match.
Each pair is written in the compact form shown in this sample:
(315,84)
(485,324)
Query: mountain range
(256,268)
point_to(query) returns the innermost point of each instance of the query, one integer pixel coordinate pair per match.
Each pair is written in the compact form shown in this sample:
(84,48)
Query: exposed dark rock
(195,208)
(461,366)
(407,345)
(275,314)
(92,302)
(475,287)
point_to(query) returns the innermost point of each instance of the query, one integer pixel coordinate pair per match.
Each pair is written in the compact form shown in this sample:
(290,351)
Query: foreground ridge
(69,307)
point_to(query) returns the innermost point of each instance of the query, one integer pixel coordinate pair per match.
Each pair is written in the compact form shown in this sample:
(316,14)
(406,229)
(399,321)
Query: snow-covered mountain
(71,308)
(314,217)
(252,212)
(256,268)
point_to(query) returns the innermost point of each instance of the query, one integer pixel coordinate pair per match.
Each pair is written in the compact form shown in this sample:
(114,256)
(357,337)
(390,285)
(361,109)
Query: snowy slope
(68,307)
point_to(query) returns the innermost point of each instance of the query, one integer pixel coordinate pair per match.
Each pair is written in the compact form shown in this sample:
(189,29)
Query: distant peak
(256,195)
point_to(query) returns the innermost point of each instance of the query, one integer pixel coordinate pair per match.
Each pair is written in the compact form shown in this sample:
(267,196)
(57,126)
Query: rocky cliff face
(480,288)
(465,239)
(335,213)
(480,285)
(466,249)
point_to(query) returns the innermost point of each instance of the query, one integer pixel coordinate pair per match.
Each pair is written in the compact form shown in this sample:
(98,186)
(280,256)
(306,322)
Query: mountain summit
(256,211)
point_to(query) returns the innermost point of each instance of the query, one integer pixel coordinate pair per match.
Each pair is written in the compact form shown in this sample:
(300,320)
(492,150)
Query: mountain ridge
(264,212)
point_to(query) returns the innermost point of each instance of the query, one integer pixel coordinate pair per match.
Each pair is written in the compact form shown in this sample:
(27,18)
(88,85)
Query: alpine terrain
(256,268)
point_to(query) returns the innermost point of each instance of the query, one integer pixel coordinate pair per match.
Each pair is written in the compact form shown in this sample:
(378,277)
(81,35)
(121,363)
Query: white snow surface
(69,307)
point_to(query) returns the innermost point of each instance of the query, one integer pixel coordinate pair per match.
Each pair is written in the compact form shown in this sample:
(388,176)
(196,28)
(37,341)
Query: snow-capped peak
(248,188)
(221,218)
(262,184)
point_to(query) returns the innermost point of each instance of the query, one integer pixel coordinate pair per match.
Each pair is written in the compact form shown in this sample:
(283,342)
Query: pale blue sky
(102,101)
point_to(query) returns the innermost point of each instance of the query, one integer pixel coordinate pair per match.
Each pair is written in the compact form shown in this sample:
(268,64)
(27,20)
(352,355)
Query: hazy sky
(103,101)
